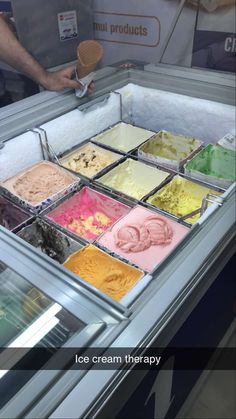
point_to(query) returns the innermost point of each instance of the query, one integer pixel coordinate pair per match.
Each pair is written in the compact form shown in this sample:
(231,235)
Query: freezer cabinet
(43,319)
(184,101)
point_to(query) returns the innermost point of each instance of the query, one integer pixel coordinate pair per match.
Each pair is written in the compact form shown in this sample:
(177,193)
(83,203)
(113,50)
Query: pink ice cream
(88,213)
(138,237)
(143,237)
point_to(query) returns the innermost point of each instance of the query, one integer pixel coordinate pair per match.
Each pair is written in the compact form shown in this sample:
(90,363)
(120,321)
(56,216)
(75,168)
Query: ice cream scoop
(138,237)
(133,238)
(159,230)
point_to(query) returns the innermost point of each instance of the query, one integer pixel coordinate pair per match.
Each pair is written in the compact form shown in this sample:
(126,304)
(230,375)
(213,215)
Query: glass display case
(113,261)
(43,324)
(28,319)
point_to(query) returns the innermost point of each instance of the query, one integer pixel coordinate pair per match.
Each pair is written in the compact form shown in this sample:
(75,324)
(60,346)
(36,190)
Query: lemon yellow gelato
(134,178)
(180,197)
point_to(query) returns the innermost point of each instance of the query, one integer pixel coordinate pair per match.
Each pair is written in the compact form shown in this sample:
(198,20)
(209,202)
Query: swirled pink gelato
(88,213)
(143,237)
(138,237)
(159,230)
(132,238)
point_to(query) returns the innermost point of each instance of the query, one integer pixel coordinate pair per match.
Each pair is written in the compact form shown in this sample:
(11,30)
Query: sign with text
(214,50)
(132,30)
(67,25)
(127,28)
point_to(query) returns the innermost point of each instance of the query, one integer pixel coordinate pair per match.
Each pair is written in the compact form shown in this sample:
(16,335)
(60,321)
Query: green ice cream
(214,161)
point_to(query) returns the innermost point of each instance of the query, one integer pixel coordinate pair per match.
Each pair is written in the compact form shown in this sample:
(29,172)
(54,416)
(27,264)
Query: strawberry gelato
(143,237)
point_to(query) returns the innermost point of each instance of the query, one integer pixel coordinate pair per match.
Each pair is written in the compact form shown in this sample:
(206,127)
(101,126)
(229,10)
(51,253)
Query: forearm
(14,54)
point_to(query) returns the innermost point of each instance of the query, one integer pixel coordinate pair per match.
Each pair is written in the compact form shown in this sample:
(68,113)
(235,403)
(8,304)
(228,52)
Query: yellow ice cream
(134,178)
(89,160)
(180,197)
(123,137)
(111,276)
(89,224)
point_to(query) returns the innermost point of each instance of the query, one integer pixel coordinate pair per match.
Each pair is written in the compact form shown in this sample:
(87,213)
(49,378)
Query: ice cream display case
(128,247)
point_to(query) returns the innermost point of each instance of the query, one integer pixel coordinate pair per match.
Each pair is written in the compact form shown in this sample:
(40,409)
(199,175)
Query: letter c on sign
(228,44)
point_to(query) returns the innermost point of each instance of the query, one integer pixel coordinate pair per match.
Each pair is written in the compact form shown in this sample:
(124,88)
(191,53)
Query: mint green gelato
(214,161)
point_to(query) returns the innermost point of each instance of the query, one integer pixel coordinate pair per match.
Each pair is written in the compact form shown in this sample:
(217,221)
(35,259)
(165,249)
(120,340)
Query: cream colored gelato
(123,137)
(134,178)
(39,182)
(89,160)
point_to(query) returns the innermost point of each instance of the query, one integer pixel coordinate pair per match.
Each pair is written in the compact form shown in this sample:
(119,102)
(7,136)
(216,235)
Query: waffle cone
(89,54)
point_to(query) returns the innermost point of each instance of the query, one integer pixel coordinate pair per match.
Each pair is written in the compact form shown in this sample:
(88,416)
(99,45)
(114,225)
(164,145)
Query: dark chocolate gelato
(10,215)
(49,240)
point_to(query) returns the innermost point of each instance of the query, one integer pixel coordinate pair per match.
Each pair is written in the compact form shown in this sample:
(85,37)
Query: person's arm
(15,55)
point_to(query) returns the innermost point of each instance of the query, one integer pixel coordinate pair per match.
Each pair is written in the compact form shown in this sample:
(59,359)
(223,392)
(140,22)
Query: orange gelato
(109,275)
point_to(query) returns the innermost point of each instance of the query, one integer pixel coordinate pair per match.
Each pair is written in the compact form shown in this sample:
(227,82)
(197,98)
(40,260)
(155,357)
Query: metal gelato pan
(89,159)
(12,217)
(169,150)
(36,187)
(49,240)
(123,137)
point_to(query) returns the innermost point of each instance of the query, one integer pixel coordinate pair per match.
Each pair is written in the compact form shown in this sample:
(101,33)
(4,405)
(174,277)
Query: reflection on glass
(28,318)
(20,305)
(202,35)
(25,312)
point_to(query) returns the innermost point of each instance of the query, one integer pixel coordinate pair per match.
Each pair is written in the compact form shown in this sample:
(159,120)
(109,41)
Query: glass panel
(28,318)
(208,38)
(24,309)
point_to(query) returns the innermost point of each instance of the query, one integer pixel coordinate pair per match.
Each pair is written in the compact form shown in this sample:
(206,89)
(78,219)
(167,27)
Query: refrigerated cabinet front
(44,322)
(182,102)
